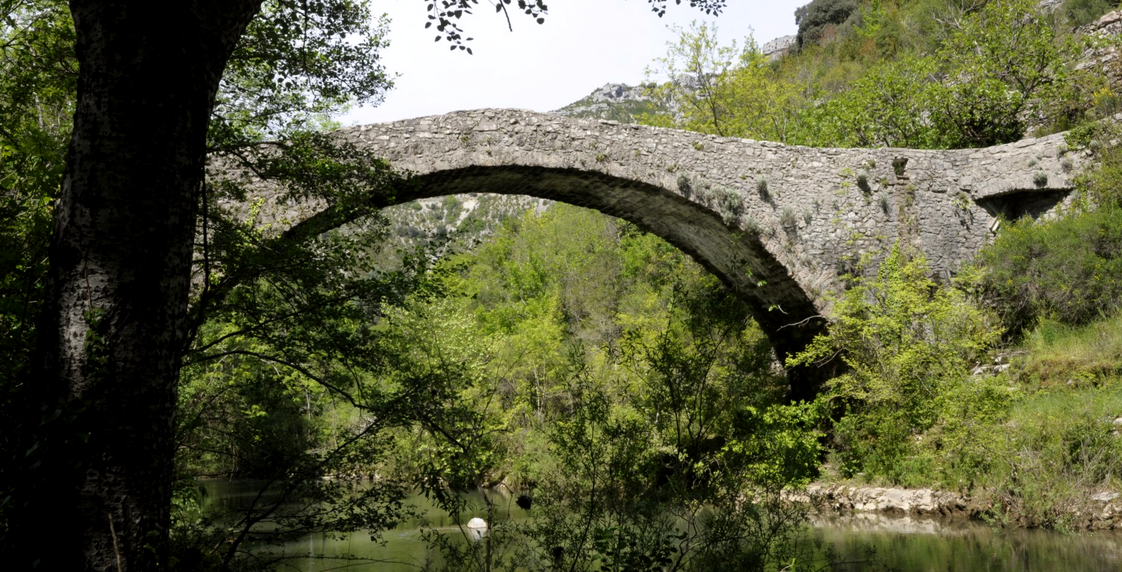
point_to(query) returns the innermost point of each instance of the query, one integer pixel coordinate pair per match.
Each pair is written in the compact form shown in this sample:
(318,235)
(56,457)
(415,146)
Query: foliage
(297,64)
(1002,62)
(981,76)
(253,309)
(1080,12)
(887,106)
(814,18)
(1059,447)
(37,77)
(1064,269)
(281,377)
(624,391)
(910,347)
(1058,354)
(722,89)
(1102,184)
(698,69)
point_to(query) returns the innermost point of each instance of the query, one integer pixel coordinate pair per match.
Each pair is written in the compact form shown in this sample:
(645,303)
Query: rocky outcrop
(779,47)
(1102,511)
(614,101)
(847,498)
(1110,24)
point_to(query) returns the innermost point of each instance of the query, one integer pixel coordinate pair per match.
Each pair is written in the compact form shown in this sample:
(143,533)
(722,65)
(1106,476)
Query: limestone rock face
(1103,58)
(613,101)
(617,92)
(778,47)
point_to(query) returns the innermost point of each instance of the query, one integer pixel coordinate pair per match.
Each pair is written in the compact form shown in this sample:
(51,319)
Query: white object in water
(477,523)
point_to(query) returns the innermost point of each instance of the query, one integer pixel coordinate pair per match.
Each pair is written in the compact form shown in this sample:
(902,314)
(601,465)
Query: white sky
(583,45)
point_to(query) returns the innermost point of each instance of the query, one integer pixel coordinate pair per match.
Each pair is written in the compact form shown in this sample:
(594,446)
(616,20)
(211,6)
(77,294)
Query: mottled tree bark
(99,480)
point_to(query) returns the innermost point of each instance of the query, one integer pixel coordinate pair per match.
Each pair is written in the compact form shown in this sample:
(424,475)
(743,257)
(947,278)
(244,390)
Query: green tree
(698,69)
(632,396)
(1002,63)
(815,17)
(887,106)
(1065,270)
(724,90)
(115,318)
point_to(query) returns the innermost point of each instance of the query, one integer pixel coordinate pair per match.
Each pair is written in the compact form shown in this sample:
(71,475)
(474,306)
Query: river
(907,544)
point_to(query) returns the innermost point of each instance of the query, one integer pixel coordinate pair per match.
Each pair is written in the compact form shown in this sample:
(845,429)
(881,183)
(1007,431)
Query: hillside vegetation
(925,74)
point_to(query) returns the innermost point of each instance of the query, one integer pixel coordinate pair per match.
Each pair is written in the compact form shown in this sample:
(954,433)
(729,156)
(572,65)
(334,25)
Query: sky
(583,45)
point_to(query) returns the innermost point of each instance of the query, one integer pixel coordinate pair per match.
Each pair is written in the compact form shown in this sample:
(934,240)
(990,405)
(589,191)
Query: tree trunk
(99,479)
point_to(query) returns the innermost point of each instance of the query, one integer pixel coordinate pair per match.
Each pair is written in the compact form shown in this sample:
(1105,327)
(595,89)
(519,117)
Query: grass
(1058,447)
(1056,452)
(1057,354)
(1040,459)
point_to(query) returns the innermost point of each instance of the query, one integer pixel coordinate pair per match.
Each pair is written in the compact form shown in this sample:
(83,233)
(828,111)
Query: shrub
(863,180)
(1079,12)
(1067,269)
(1103,184)
(788,218)
(684,186)
(909,346)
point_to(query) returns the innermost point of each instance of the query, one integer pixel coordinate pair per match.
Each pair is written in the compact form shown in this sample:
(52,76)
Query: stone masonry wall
(816,211)
(778,224)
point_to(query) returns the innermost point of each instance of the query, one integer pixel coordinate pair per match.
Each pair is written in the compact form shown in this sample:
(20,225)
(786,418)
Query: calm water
(931,545)
(905,544)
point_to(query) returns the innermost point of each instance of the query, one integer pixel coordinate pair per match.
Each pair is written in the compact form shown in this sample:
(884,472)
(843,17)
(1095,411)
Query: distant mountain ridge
(625,103)
(612,102)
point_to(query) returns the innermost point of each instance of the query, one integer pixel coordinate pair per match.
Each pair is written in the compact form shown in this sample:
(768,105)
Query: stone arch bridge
(777,224)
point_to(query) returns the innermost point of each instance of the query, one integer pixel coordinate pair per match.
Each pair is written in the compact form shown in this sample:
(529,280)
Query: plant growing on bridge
(788,218)
(762,188)
(729,204)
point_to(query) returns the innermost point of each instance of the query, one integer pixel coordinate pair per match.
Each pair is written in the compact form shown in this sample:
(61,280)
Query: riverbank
(1102,511)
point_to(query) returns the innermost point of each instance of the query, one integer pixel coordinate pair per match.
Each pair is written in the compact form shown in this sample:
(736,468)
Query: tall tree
(113,330)
(114,326)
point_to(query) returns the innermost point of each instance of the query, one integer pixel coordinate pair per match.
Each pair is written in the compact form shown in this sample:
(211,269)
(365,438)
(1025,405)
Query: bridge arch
(737,257)
(777,224)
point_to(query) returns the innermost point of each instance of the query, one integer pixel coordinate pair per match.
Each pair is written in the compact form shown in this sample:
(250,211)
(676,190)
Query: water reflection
(911,544)
(907,544)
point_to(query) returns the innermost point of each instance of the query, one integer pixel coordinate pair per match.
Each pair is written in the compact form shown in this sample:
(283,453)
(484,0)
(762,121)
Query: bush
(1058,451)
(1103,184)
(813,18)
(1067,270)
(910,347)
(1079,12)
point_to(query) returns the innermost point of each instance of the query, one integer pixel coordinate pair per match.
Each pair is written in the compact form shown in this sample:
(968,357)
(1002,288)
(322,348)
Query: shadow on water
(401,549)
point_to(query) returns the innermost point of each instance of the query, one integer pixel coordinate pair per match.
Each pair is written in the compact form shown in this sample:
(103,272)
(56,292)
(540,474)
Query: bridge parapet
(815,210)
